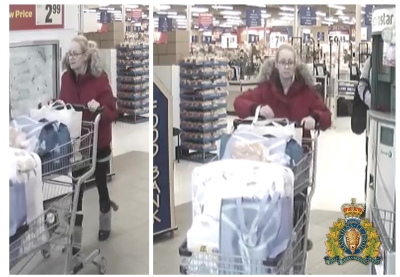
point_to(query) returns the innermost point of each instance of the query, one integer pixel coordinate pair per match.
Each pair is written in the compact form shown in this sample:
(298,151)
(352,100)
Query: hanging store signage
(206,21)
(279,36)
(36,17)
(105,17)
(136,15)
(339,33)
(253,17)
(162,162)
(347,88)
(206,39)
(368,15)
(308,16)
(306,37)
(383,18)
(164,24)
(321,36)
(253,38)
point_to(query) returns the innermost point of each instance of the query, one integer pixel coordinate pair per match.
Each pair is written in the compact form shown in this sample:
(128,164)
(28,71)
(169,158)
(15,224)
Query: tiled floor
(340,176)
(130,137)
(127,250)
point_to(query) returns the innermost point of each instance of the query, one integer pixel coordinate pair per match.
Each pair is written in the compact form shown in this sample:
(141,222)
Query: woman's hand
(267,112)
(93,105)
(308,123)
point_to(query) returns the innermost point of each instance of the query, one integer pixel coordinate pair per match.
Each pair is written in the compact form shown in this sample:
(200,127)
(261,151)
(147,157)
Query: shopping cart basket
(293,260)
(55,227)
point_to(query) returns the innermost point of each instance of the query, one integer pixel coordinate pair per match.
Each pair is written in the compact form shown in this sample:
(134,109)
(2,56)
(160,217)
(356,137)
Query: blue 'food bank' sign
(162,201)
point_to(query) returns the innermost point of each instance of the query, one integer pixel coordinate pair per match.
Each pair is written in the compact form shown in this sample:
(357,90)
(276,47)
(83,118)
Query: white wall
(169,76)
(64,36)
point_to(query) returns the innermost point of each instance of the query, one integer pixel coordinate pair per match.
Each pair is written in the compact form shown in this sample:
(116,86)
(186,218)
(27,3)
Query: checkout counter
(381,133)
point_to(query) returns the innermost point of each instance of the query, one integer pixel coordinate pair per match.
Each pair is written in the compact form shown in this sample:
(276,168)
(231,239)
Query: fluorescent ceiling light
(327,22)
(177,16)
(337,7)
(231,12)
(287,9)
(162,12)
(222,7)
(286,14)
(342,17)
(331,19)
(348,22)
(265,15)
(231,17)
(195,14)
(263,11)
(181,20)
(256,5)
(318,13)
(286,18)
(199,9)
(339,12)
(132,6)
(163,7)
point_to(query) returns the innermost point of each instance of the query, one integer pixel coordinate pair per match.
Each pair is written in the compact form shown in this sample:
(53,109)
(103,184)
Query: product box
(178,36)
(170,59)
(178,48)
(115,26)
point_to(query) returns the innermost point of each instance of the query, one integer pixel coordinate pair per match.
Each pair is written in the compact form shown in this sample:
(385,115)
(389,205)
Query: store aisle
(340,176)
(127,249)
(130,137)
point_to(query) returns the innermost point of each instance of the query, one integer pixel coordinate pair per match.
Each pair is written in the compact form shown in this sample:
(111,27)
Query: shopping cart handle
(237,122)
(82,108)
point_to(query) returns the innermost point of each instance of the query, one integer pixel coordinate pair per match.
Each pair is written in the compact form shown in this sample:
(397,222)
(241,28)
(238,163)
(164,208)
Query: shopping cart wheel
(101,265)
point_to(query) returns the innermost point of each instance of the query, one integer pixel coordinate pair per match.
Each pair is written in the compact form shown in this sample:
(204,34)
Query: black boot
(105,221)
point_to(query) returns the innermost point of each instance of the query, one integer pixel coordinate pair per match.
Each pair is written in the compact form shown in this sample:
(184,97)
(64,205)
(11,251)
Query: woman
(285,90)
(85,83)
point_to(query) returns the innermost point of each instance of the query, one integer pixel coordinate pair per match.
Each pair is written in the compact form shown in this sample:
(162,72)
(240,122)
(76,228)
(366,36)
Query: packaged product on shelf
(203,86)
(133,77)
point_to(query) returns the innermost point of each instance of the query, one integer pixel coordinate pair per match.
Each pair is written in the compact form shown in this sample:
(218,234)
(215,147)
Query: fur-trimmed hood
(95,66)
(302,72)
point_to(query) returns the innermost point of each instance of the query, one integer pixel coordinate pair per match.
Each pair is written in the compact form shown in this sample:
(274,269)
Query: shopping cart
(55,227)
(293,260)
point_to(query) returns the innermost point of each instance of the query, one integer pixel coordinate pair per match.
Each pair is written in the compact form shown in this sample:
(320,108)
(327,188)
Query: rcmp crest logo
(352,238)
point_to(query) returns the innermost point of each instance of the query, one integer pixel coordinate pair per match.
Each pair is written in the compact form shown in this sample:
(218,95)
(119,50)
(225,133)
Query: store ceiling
(235,15)
(116,10)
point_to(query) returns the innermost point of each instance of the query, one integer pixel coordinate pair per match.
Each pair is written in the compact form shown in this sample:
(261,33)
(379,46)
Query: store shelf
(203,92)
(133,81)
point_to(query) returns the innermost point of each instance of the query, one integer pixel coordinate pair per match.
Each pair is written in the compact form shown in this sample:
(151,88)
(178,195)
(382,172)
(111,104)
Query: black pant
(100,176)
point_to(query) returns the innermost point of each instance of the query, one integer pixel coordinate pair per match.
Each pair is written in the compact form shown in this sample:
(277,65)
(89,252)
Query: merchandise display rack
(133,78)
(203,92)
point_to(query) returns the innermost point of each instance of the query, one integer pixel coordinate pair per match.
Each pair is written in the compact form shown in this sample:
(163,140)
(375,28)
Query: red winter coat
(92,85)
(301,100)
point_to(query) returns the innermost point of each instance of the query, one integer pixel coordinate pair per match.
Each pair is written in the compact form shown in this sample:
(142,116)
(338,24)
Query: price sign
(341,38)
(277,39)
(49,14)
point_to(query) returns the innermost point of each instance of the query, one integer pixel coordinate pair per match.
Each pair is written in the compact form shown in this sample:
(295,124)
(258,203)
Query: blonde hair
(86,45)
(286,47)
(89,47)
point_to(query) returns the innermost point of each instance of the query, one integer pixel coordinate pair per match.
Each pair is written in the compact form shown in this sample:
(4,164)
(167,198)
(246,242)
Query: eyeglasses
(286,63)
(73,54)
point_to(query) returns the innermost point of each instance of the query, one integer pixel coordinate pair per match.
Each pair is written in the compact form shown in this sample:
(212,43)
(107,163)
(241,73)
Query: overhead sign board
(383,18)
